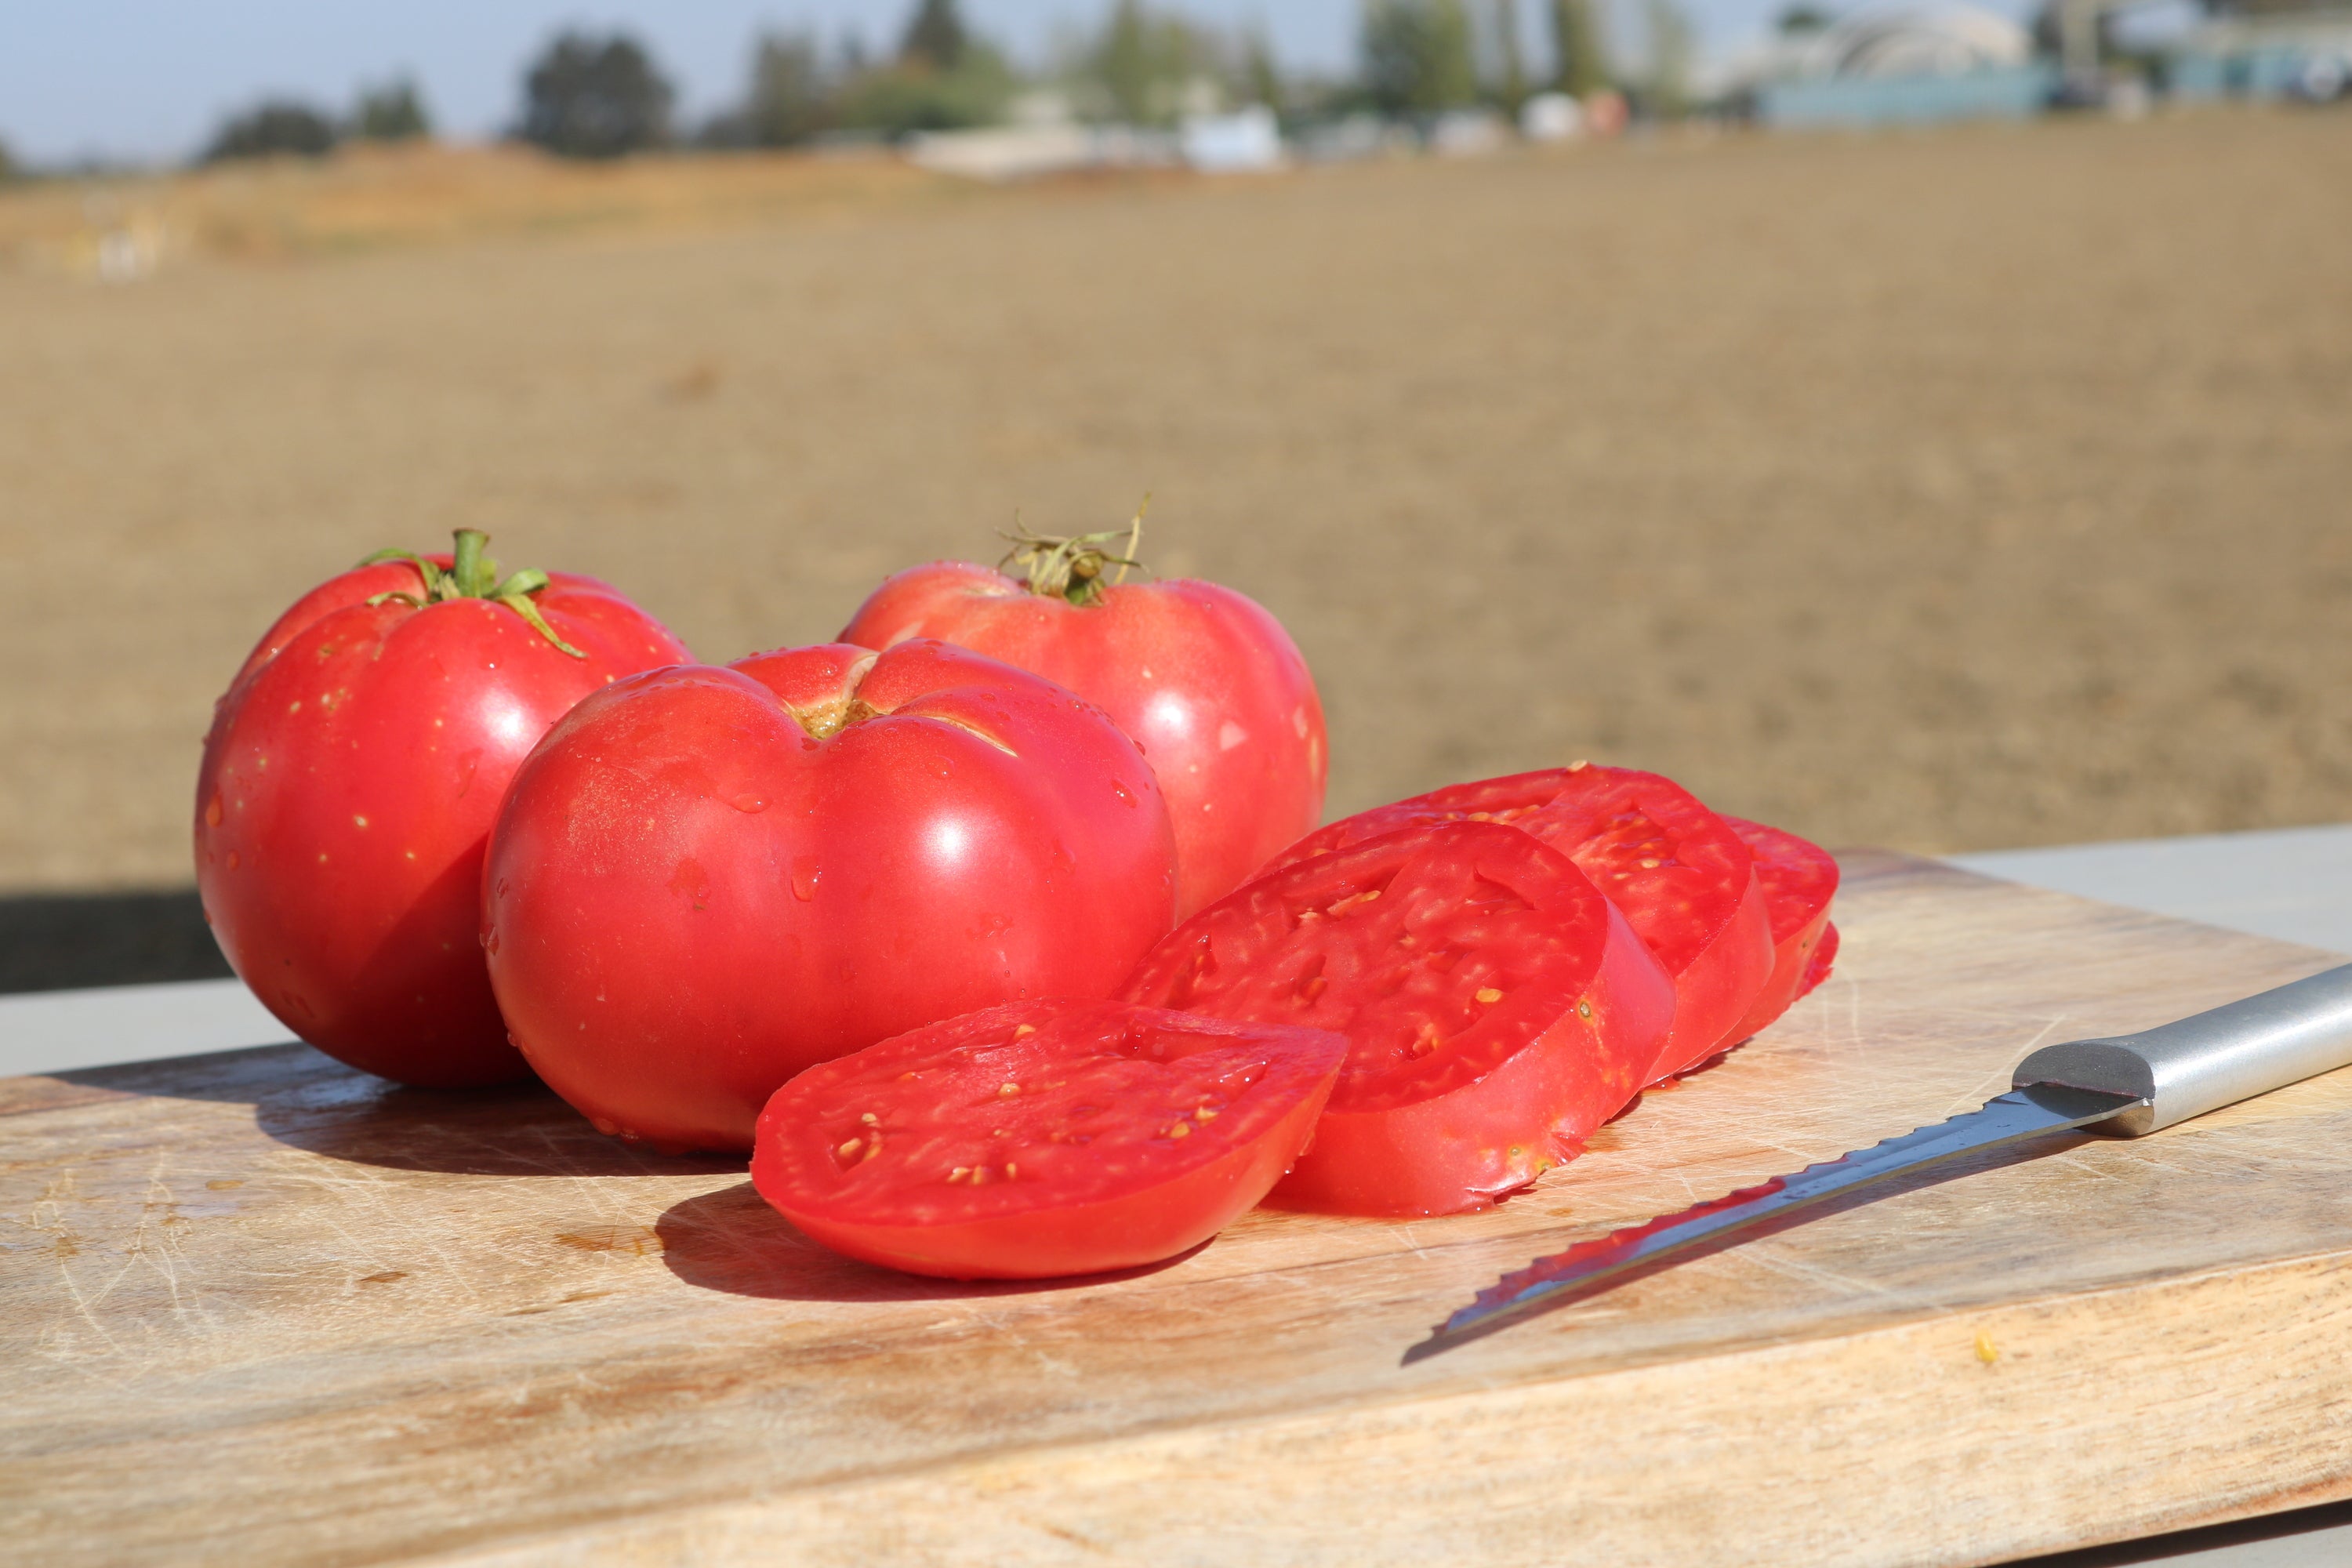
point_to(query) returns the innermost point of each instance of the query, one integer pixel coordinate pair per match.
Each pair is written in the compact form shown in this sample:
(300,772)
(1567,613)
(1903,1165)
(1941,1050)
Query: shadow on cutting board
(731,1241)
(310,1101)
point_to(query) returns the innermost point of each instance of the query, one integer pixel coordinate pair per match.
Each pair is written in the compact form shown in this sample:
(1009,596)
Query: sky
(147,80)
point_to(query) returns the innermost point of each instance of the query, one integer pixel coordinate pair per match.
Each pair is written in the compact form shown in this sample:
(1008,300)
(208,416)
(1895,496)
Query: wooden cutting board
(261,1309)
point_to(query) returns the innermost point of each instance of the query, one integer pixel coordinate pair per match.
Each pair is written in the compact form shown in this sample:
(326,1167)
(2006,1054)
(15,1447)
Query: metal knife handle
(2213,1060)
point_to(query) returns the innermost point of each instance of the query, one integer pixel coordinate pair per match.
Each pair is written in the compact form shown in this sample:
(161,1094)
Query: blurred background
(1920,425)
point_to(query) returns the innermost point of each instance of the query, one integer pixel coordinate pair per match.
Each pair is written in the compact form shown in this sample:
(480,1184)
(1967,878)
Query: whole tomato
(707,880)
(1206,682)
(349,784)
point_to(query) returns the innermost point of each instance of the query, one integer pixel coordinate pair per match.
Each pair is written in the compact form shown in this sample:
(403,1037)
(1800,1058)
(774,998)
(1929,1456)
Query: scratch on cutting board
(1997,1082)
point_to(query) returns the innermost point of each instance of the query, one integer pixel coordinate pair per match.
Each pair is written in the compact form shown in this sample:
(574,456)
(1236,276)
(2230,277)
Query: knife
(2127,1085)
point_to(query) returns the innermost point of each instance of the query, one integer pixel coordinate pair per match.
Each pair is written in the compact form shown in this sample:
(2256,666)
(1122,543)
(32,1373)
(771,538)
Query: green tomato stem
(472,574)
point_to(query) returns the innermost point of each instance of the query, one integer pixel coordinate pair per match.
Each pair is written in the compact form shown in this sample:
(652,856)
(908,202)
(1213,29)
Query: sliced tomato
(1497,1007)
(1824,959)
(1686,883)
(1042,1138)
(1799,879)
(1681,875)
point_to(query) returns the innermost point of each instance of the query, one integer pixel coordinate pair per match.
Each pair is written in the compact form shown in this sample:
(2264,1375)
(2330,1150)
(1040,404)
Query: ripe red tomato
(1497,1008)
(1208,683)
(348,787)
(1042,1138)
(1799,879)
(706,881)
(1682,877)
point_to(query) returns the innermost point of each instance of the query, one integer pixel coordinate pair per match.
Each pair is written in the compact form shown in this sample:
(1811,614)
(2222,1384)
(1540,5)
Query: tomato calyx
(1072,566)
(471,574)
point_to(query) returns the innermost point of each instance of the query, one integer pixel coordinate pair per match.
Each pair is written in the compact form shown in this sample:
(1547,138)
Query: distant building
(1899,64)
(2263,53)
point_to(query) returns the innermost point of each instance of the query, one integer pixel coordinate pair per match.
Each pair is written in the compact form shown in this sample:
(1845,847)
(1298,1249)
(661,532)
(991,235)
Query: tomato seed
(1490,996)
(1006,1092)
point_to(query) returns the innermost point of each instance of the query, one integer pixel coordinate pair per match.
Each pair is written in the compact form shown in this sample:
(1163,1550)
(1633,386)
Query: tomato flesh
(1204,678)
(348,787)
(707,880)
(1497,1007)
(1800,880)
(1685,882)
(1042,1138)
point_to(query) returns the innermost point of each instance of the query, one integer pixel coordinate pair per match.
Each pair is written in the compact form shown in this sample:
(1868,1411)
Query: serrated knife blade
(2128,1085)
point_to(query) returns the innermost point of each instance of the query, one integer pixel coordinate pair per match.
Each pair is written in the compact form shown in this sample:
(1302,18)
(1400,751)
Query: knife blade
(2125,1085)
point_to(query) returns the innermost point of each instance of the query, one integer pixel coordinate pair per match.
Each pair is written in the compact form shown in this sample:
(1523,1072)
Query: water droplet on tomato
(748,803)
(232,861)
(212,813)
(491,941)
(805,873)
(1120,790)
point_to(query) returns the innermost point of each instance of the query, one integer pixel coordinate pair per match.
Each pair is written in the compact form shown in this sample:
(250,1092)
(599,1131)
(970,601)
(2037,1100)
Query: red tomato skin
(1823,962)
(690,898)
(1717,971)
(1469,1142)
(1799,879)
(1463,1152)
(347,789)
(1123,1231)
(1204,678)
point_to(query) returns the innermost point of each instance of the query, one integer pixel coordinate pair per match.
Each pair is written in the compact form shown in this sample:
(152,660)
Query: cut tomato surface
(1497,1008)
(1799,879)
(1681,876)
(1043,1138)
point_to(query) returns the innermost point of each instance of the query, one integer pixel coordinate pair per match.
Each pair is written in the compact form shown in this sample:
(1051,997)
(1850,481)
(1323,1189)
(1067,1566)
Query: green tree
(591,98)
(1144,59)
(909,95)
(392,113)
(935,36)
(1417,56)
(1670,59)
(1580,57)
(791,97)
(275,127)
(1513,86)
(1799,19)
(1261,75)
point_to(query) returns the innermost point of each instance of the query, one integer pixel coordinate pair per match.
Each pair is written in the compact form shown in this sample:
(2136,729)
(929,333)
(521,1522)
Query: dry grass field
(1977,489)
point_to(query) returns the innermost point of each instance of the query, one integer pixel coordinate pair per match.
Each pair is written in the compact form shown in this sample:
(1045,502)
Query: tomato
(706,881)
(1497,1008)
(1207,682)
(1042,1138)
(1798,880)
(1824,959)
(1681,876)
(348,785)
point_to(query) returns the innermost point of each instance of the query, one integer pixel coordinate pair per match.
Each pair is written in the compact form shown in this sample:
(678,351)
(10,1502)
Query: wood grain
(261,1307)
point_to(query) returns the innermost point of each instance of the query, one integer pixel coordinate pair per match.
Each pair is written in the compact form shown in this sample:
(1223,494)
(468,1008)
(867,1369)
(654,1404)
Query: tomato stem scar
(472,574)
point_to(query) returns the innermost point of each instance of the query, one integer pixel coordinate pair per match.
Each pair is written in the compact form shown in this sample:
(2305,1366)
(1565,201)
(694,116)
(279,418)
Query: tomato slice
(1824,960)
(1681,875)
(1685,882)
(1799,879)
(1497,1007)
(1042,1138)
